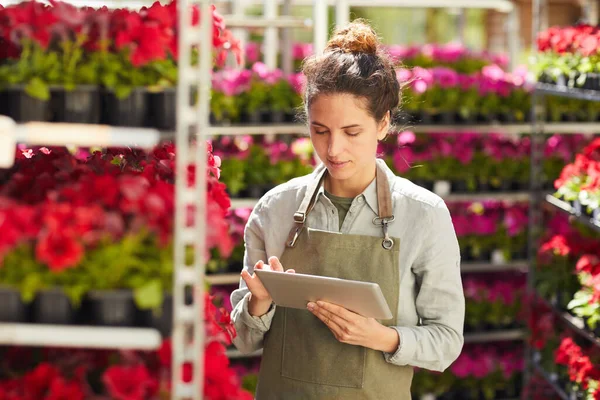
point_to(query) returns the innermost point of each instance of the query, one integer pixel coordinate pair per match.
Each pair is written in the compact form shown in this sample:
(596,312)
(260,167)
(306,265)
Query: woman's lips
(338,164)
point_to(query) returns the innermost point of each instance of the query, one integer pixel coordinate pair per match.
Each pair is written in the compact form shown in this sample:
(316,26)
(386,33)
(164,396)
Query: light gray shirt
(431,305)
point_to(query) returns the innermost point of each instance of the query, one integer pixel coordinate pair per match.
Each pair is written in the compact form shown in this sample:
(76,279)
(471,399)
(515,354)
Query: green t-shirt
(342,204)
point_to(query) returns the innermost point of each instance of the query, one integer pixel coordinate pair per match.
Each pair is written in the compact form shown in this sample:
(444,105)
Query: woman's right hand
(260,300)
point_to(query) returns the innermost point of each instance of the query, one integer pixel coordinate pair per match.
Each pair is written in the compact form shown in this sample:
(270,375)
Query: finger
(290,271)
(334,327)
(326,316)
(337,310)
(259,265)
(275,264)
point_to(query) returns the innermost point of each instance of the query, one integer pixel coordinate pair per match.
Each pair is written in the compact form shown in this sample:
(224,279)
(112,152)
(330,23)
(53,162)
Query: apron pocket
(312,354)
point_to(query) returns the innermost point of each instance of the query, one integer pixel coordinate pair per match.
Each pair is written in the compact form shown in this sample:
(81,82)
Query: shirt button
(360,200)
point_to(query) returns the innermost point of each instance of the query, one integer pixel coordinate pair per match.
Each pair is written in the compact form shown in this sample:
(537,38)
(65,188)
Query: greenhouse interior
(141,143)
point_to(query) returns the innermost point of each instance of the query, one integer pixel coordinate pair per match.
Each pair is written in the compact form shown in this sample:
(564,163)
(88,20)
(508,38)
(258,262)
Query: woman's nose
(336,145)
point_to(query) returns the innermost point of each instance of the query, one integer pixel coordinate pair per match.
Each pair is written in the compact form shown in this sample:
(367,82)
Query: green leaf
(38,89)
(150,295)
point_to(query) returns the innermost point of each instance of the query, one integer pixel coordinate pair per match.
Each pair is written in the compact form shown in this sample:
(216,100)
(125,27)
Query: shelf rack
(538,197)
(567,208)
(563,128)
(89,337)
(480,337)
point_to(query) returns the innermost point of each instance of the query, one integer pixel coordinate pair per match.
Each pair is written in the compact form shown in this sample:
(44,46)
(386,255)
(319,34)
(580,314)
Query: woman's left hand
(352,328)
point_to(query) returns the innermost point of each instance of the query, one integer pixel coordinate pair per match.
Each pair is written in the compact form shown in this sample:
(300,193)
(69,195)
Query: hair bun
(357,37)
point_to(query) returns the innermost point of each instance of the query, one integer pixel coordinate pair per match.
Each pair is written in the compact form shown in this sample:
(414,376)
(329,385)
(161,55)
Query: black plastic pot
(53,307)
(13,309)
(130,111)
(162,319)
(111,308)
(592,82)
(81,105)
(506,117)
(290,117)
(277,117)
(458,186)
(3,102)
(23,108)
(445,118)
(163,109)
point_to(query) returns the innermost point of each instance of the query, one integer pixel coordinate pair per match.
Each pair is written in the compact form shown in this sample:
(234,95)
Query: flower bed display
(53,374)
(466,163)
(63,63)
(569,56)
(472,162)
(480,372)
(451,55)
(579,182)
(567,271)
(573,363)
(493,303)
(97,236)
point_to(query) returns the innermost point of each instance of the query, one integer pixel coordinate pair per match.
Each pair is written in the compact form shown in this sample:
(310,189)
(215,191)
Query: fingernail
(320,303)
(311,306)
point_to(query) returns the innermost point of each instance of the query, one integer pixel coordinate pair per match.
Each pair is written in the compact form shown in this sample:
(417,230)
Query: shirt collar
(370,193)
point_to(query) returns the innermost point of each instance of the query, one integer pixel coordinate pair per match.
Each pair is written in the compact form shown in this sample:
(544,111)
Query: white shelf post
(321,26)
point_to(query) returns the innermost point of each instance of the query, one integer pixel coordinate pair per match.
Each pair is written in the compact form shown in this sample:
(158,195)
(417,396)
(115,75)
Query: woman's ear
(384,126)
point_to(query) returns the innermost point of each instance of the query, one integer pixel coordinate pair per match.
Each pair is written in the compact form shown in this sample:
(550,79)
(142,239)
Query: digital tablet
(297,290)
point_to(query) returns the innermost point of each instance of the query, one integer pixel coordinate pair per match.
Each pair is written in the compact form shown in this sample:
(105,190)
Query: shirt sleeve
(250,330)
(440,301)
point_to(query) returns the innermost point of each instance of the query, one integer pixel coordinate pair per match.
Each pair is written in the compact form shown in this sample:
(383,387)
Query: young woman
(351,218)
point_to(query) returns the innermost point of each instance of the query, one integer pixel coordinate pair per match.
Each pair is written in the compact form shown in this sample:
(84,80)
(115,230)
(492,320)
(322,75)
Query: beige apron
(302,359)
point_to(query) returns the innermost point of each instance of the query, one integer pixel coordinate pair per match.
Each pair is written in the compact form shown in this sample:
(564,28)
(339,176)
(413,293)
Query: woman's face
(345,138)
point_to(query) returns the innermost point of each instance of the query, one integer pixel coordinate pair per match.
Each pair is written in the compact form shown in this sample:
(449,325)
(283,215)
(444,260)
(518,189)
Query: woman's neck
(350,187)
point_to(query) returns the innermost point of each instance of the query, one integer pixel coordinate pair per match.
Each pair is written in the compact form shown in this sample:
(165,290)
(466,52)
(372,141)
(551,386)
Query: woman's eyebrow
(343,127)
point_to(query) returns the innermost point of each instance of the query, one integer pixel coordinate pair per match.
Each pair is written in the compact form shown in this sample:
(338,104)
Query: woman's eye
(352,133)
(320,132)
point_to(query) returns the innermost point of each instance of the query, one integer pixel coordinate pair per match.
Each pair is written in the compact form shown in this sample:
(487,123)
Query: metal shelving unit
(567,208)
(563,128)
(538,197)
(89,337)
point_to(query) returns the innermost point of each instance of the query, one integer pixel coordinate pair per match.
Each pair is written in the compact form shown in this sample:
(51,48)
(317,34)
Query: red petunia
(129,382)
(59,250)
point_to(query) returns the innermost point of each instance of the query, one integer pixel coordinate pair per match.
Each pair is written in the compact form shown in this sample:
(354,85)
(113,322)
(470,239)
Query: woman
(353,219)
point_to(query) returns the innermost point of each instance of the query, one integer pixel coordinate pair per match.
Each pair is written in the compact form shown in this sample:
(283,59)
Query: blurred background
(105,233)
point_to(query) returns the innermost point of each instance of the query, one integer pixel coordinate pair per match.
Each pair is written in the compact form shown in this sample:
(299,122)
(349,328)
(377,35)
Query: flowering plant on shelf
(569,56)
(583,368)
(494,305)
(83,374)
(481,372)
(101,223)
(579,182)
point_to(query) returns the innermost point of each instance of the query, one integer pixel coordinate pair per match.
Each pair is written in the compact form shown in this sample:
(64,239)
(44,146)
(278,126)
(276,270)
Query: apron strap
(384,206)
(306,206)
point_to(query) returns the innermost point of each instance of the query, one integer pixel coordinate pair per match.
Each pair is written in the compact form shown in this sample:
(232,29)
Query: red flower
(59,250)
(589,263)
(60,389)
(129,382)
(37,382)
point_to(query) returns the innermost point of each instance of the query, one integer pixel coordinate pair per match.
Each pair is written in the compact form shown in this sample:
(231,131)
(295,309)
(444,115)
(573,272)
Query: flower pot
(81,105)
(445,118)
(422,117)
(162,319)
(52,306)
(290,117)
(162,109)
(13,308)
(23,108)
(458,187)
(130,111)
(442,188)
(506,117)
(486,118)
(277,117)
(483,186)
(568,117)
(110,308)
(592,81)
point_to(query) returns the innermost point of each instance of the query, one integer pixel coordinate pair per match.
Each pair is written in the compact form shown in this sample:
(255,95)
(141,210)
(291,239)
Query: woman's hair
(354,63)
